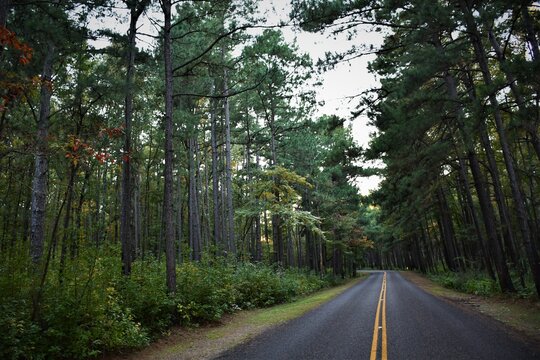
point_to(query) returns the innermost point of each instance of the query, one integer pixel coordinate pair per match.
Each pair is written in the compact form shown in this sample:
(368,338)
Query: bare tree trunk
(277,236)
(231,245)
(194,219)
(125,215)
(168,211)
(215,179)
(474,217)
(179,218)
(41,165)
(4,11)
(126,238)
(447,231)
(67,218)
(137,216)
(206,204)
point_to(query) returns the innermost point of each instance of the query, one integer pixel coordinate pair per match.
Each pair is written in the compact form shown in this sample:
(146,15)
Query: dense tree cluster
(200,148)
(457,116)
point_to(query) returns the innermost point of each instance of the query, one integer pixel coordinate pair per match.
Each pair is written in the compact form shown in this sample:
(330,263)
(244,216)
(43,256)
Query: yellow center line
(375,342)
(384,354)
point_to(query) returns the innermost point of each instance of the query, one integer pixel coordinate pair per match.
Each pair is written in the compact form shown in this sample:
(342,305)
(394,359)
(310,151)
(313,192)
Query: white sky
(339,84)
(344,81)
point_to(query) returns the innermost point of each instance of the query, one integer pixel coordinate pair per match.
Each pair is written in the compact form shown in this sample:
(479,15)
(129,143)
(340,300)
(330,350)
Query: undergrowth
(87,308)
(478,283)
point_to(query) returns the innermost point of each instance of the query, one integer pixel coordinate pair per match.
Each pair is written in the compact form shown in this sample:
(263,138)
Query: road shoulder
(519,316)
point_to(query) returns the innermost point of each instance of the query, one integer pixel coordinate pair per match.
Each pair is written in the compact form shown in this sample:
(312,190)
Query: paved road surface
(411,324)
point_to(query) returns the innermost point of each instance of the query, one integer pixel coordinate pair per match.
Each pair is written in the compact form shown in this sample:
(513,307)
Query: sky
(342,82)
(338,85)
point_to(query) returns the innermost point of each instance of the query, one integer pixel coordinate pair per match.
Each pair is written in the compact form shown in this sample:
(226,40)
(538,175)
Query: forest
(169,178)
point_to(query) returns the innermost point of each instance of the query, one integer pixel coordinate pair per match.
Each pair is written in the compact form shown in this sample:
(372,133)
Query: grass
(207,341)
(522,315)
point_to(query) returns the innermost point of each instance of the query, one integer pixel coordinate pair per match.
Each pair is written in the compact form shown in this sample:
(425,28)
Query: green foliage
(144,292)
(81,313)
(470,283)
(259,286)
(89,309)
(204,293)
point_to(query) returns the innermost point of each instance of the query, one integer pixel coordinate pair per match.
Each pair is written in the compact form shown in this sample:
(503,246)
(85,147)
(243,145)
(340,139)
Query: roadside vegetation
(471,283)
(207,340)
(92,310)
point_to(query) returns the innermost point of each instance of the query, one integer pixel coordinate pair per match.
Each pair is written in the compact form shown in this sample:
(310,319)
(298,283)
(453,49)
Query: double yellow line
(380,306)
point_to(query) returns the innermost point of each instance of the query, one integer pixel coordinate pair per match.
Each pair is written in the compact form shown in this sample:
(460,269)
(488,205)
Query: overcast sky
(338,85)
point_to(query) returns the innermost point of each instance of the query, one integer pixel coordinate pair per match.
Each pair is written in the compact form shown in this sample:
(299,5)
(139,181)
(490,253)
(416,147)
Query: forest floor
(521,315)
(207,341)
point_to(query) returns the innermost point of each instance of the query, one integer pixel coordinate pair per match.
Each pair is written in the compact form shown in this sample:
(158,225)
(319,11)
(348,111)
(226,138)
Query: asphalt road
(411,324)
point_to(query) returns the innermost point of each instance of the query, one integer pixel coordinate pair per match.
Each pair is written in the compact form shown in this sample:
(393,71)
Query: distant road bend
(386,317)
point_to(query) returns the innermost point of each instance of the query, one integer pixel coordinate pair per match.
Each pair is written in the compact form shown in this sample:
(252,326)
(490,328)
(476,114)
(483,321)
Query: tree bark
(194,219)
(215,179)
(67,218)
(126,211)
(168,211)
(504,214)
(447,231)
(41,165)
(474,217)
(231,246)
(486,208)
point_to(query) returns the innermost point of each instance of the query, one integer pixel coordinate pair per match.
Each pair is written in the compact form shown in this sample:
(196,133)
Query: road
(386,317)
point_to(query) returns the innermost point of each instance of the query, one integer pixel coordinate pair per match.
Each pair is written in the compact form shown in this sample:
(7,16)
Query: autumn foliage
(13,87)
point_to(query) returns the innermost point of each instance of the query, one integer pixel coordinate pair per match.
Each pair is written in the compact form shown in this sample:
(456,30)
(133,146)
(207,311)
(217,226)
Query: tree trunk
(531,34)
(532,254)
(486,208)
(67,218)
(126,212)
(168,211)
(447,231)
(530,126)
(4,10)
(179,217)
(194,223)
(508,233)
(474,217)
(39,185)
(215,179)
(231,246)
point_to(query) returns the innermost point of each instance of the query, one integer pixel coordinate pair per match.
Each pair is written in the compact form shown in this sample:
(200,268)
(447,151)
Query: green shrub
(260,286)
(145,293)
(203,293)
(89,308)
(471,283)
